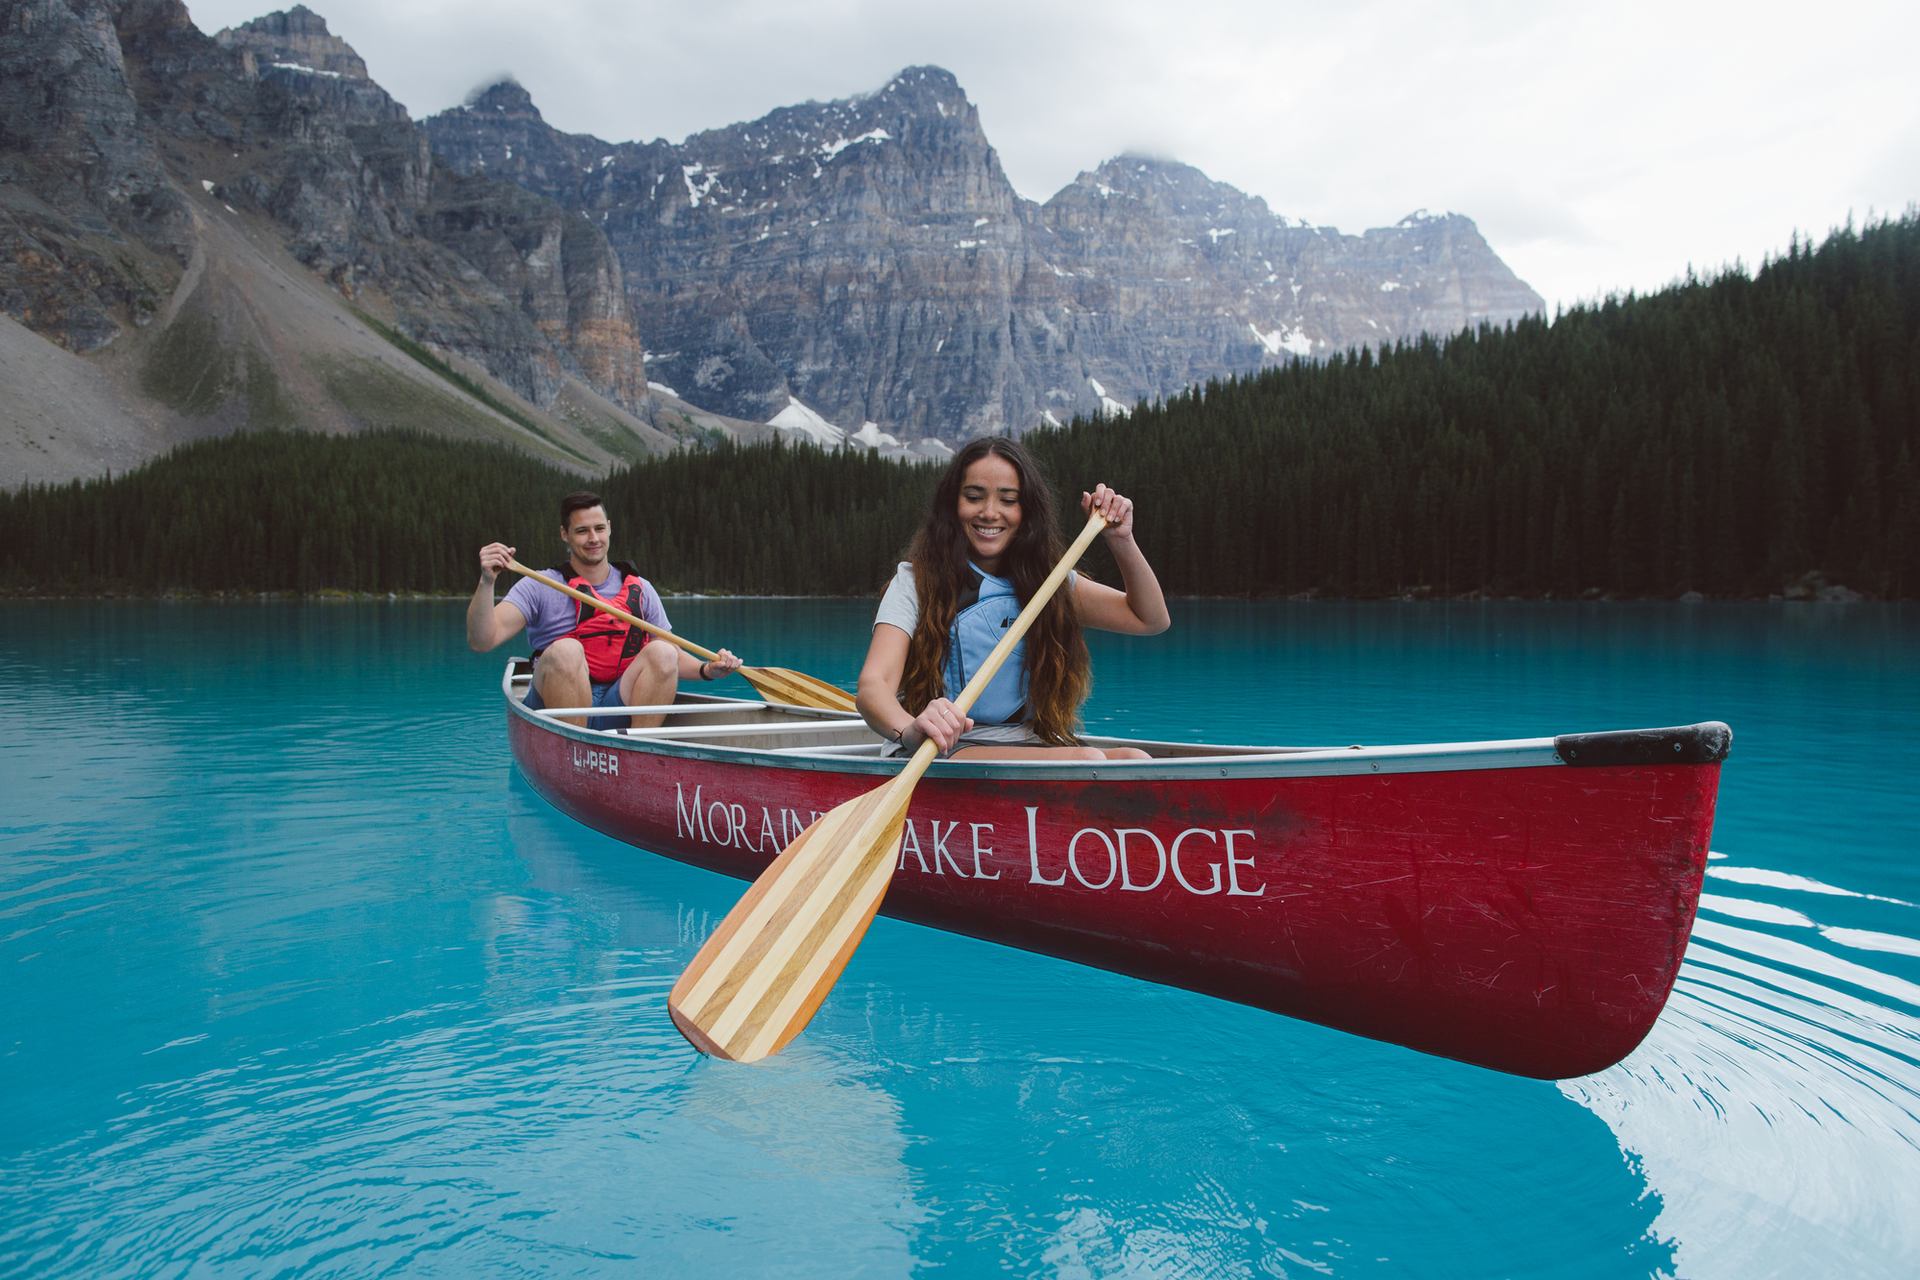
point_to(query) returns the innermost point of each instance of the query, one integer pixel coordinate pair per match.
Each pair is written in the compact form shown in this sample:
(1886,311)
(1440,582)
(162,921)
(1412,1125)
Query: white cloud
(1599,147)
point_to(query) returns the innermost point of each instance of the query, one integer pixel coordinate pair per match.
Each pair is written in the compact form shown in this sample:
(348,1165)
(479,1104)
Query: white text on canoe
(1198,860)
(587,760)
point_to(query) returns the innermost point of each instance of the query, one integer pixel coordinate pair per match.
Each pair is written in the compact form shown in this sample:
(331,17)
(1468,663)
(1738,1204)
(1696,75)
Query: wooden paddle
(775,684)
(756,982)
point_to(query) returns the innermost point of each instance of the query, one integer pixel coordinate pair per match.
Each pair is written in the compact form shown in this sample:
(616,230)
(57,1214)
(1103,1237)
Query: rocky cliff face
(832,253)
(115,111)
(1166,277)
(356,180)
(92,233)
(869,259)
(298,40)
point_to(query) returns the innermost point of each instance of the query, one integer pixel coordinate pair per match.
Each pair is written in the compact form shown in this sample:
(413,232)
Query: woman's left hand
(722,663)
(1117,508)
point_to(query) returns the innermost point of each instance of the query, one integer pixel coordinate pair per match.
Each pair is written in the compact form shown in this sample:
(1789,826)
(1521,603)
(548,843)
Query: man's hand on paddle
(493,561)
(491,624)
(720,664)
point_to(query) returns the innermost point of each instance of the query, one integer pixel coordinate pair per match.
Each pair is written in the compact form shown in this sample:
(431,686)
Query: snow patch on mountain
(1109,407)
(831,149)
(306,70)
(1295,341)
(873,437)
(797,418)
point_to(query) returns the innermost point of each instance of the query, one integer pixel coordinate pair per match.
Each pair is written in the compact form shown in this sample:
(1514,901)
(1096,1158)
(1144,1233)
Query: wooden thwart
(775,684)
(756,982)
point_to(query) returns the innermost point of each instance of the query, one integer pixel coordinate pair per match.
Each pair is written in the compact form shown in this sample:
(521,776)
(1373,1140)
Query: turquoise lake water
(298,977)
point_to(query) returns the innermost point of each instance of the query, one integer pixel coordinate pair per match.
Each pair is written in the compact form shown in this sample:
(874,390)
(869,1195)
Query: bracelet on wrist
(703,670)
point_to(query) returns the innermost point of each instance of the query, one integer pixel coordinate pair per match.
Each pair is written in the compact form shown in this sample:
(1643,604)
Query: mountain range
(869,258)
(201,234)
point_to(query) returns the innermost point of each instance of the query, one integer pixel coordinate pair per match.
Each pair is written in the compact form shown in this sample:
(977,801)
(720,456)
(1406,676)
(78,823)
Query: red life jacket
(610,643)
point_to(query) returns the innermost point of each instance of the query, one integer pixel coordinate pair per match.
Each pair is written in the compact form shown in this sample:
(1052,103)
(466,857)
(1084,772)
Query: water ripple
(1798,1068)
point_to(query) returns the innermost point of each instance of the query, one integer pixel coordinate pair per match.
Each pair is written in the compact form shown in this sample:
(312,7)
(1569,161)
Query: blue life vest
(985,613)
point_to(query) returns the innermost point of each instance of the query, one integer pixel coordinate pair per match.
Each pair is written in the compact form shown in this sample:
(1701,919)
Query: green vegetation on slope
(187,368)
(453,377)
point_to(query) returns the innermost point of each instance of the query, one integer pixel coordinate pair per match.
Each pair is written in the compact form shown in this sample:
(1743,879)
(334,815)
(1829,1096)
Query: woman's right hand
(941,723)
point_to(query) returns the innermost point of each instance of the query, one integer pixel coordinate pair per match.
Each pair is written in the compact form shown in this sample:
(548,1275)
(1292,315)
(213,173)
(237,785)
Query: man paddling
(583,657)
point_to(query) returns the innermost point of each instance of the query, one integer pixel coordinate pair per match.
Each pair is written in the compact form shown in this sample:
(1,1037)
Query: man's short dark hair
(576,502)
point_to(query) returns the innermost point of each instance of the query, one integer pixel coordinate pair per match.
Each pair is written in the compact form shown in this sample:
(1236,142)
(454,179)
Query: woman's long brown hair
(1059,673)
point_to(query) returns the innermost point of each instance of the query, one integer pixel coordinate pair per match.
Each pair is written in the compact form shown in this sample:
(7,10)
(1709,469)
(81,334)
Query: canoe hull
(1530,919)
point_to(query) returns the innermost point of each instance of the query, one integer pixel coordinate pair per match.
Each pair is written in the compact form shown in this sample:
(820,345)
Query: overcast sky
(1599,146)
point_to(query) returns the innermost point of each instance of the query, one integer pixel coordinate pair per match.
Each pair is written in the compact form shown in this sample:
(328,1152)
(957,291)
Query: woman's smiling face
(990,509)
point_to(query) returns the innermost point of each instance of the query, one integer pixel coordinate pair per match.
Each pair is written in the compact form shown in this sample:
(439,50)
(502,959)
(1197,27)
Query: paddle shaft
(760,975)
(586,597)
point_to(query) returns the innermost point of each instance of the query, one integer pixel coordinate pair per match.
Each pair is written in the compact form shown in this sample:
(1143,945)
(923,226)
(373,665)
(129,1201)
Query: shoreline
(1826,595)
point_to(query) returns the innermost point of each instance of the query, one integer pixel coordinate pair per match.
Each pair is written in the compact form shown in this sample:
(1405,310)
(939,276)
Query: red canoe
(1523,905)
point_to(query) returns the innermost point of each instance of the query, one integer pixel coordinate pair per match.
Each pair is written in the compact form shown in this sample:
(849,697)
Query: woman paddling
(987,543)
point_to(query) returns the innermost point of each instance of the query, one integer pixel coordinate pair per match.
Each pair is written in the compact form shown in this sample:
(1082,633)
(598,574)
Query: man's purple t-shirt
(551,615)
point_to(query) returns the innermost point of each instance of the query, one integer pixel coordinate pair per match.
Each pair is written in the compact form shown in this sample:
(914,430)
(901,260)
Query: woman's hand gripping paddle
(775,684)
(756,982)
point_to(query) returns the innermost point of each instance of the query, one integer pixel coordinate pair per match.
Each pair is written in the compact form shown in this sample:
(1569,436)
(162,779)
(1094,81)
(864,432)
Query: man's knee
(563,658)
(655,668)
(661,658)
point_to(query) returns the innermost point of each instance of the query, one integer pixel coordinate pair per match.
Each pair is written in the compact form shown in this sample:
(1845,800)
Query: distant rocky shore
(1811,589)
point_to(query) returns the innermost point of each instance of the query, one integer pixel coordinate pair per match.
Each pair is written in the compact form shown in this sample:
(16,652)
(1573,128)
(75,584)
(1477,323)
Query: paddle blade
(777,684)
(756,982)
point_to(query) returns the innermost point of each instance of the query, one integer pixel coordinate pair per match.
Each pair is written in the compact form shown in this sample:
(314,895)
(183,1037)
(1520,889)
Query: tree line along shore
(1734,436)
